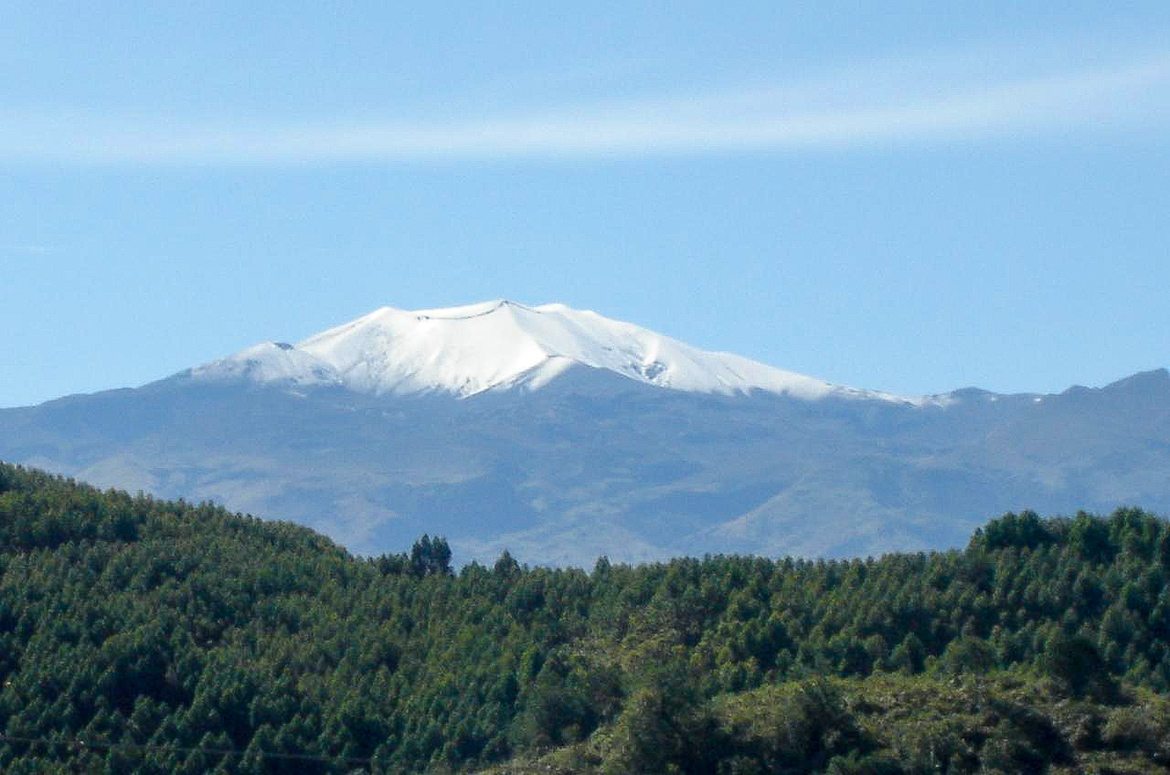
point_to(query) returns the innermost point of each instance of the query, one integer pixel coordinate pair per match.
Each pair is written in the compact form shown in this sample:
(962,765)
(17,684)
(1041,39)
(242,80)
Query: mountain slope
(357,434)
(499,345)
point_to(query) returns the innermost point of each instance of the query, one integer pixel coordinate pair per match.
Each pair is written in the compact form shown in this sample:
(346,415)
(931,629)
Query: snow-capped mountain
(562,435)
(498,345)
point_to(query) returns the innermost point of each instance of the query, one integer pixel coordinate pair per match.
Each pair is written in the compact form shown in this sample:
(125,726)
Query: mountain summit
(501,345)
(561,435)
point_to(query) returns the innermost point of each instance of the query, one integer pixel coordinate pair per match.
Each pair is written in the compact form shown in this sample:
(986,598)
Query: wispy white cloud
(838,112)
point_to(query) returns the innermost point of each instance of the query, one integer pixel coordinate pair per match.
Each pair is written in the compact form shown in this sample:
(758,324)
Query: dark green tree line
(151,627)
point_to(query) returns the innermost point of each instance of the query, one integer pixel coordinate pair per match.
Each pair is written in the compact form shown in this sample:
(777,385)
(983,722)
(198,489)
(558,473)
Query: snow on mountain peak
(500,345)
(271,362)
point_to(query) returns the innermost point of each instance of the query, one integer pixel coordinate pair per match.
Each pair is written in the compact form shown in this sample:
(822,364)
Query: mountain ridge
(502,344)
(591,461)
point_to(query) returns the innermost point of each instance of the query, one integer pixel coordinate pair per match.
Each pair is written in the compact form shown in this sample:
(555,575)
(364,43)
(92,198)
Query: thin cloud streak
(732,122)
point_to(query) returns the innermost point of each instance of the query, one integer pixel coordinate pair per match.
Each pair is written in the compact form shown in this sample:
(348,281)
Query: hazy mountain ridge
(596,462)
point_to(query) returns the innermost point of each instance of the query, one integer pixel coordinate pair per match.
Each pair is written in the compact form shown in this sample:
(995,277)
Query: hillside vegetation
(146,636)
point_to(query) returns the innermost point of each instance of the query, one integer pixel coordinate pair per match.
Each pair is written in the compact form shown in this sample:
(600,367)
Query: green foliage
(1022,531)
(151,628)
(430,556)
(662,731)
(968,655)
(1078,667)
(1023,740)
(813,727)
(1089,539)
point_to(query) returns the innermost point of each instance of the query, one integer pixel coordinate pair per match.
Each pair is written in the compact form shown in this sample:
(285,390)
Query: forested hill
(143,636)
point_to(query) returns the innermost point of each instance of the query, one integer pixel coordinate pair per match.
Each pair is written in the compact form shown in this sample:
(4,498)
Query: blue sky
(893,198)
